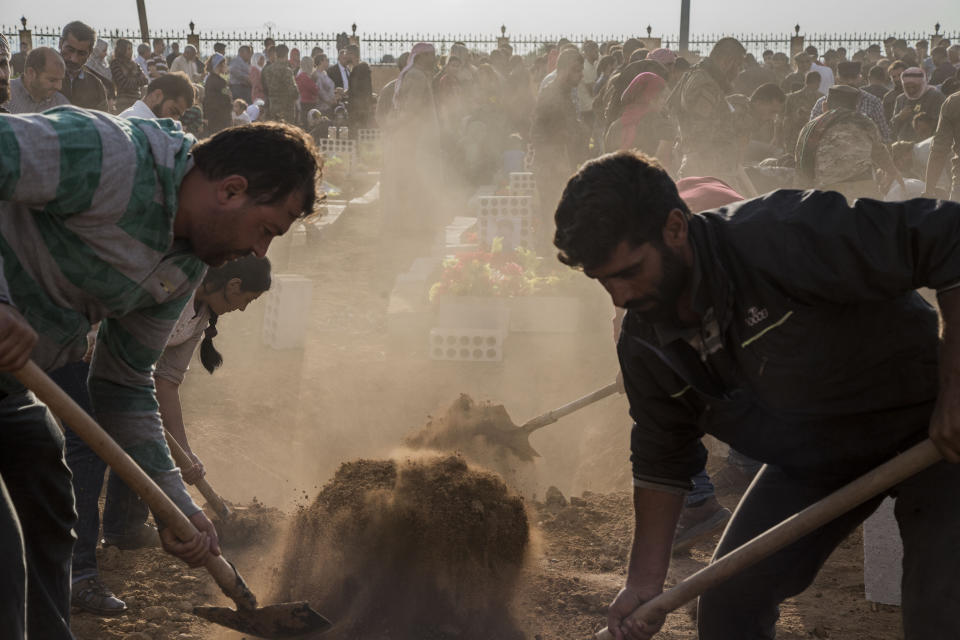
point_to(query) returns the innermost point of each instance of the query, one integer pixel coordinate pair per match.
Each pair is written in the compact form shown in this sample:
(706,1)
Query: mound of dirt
(423,549)
(247,525)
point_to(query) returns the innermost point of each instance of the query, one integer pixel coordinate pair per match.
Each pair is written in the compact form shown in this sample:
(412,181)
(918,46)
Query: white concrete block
(287,311)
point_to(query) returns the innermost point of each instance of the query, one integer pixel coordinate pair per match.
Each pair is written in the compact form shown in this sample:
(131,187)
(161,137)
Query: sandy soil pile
(248,524)
(420,549)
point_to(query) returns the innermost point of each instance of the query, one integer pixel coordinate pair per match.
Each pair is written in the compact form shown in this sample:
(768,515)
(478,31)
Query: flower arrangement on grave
(499,273)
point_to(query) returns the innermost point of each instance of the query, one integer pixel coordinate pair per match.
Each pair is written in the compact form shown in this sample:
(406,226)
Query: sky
(611,17)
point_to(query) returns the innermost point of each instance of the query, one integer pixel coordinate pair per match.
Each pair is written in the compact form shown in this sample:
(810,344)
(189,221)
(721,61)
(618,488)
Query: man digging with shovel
(110,220)
(789,327)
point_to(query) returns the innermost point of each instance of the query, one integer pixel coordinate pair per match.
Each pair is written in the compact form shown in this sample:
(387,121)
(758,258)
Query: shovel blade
(286,620)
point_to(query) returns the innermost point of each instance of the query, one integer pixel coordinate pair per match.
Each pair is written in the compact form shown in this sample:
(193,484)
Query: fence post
(194,38)
(26,36)
(796,42)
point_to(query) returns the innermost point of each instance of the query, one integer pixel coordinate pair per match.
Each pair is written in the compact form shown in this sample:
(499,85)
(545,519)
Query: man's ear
(230,187)
(675,229)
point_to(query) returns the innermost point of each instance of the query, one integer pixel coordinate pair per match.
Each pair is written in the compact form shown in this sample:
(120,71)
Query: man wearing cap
(848,74)
(917,97)
(838,151)
(4,72)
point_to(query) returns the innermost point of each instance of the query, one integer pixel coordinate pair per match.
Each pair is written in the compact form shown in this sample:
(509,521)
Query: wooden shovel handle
(867,486)
(34,379)
(552,416)
(183,461)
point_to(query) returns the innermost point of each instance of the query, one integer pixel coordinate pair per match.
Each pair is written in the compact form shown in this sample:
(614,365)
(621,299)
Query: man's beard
(4,92)
(674,278)
(157,109)
(72,67)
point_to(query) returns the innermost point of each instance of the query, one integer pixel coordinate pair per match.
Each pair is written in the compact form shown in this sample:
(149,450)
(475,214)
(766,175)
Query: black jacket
(828,356)
(336,75)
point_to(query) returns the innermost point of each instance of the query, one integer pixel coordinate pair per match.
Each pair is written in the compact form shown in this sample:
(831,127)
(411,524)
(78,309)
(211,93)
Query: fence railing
(378,47)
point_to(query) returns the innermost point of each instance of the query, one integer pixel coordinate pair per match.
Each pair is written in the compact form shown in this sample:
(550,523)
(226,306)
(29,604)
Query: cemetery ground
(275,425)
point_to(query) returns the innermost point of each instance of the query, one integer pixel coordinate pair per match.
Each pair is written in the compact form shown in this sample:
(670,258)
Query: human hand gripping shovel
(284,620)
(871,484)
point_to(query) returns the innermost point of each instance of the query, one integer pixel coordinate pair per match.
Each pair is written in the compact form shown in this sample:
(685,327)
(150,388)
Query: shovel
(871,484)
(183,461)
(286,620)
(517,439)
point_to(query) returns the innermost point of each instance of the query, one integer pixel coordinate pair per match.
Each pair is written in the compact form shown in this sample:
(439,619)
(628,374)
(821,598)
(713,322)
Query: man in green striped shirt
(112,220)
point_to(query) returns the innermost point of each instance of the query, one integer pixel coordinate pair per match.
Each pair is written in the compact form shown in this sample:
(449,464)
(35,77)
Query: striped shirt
(87,205)
(22,102)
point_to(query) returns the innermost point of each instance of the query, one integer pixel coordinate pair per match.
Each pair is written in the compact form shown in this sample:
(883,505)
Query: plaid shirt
(869,105)
(87,204)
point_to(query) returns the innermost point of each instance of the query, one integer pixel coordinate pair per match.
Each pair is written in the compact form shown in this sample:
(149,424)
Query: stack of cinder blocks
(507,217)
(288,311)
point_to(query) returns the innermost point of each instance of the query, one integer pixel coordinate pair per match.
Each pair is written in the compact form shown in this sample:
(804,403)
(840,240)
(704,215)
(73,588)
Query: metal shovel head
(285,620)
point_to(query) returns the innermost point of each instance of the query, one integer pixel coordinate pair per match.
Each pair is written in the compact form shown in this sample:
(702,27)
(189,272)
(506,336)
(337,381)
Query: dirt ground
(275,425)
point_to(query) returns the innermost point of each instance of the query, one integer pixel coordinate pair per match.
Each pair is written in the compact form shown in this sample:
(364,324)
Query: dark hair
(727,48)
(79,30)
(143,48)
(37,58)
(254,275)
(877,73)
(619,196)
(768,92)
(282,50)
(173,85)
(277,159)
(812,77)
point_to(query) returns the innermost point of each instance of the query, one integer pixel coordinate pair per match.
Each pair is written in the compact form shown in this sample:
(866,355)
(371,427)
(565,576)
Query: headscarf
(253,111)
(99,64)
(914,82)
(306,65)
(295,58)
(639,99)
(663,56)
(4,45)
(213,63)
(620,82)
(702,194)
(258,61)
(420,47)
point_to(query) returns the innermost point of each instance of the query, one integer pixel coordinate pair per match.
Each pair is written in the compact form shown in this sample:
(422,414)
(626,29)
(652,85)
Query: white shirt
(345,74)
(585,88)
(826,76)
(138,109)
(140,60)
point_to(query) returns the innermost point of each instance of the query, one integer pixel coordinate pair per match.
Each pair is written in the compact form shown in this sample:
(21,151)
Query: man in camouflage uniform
(700,102)
(839,150)
(281,87)
(945,140)
(796,110)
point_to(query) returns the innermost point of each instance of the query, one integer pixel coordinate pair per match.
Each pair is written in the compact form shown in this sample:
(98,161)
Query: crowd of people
(881,124)
(206,96)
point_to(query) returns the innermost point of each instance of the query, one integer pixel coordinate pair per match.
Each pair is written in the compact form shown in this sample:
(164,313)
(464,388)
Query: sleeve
(815,248)
(175,359)
(124,397)
(946,128)
(665,447)
(51,161)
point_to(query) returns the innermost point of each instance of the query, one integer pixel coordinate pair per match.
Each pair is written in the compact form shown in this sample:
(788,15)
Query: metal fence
(379,47)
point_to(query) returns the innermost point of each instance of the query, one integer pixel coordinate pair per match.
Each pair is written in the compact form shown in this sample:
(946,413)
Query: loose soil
(278,425)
